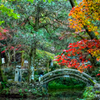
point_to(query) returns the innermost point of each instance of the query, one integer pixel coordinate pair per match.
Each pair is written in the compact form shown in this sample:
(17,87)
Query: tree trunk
(30,63)
(22,60)
(8,58)
(72,3)
(47,67)
(14,57)
(1,74)
(34,43)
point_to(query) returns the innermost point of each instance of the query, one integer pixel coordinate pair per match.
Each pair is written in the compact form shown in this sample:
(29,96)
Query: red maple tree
(76,54)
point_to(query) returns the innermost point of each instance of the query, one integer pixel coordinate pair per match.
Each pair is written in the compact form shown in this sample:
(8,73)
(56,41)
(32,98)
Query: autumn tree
(83,19)
(86,16)
(4,10)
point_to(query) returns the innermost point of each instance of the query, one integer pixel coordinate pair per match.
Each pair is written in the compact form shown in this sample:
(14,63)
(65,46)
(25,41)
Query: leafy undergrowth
(55,85)
(19,90)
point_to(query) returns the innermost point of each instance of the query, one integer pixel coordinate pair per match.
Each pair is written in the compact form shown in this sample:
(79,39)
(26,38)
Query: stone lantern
(51,64)
(18,74)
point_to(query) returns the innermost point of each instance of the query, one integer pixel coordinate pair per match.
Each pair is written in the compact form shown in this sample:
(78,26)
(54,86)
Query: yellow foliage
(83,14)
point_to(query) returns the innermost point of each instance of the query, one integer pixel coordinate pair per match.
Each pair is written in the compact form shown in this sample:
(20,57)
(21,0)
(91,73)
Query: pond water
(69,94)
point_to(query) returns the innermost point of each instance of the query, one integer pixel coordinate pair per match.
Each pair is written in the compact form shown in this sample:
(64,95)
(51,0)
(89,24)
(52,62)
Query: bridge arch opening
(66,83)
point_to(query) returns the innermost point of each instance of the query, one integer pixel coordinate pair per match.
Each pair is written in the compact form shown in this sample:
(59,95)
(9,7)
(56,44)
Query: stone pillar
(40,77)
(32,75)
(51,64)
(18,74)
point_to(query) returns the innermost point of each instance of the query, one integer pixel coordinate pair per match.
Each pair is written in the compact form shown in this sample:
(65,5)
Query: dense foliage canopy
(85,19)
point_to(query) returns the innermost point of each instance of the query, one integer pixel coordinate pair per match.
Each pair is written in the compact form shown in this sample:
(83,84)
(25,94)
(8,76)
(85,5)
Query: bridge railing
(61,72)
(65,71)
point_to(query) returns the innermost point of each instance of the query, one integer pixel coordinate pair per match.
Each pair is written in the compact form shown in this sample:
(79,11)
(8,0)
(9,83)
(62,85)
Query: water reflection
(55,95)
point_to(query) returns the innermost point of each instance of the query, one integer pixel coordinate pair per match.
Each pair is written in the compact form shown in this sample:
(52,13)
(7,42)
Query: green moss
(92,81)
(44,54)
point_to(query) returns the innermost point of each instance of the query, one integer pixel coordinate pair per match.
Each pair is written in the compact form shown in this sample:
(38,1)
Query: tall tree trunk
(14,57)
(8,58)
(22,60)
(30,63)
(1,74)
(72,3)
(34,43)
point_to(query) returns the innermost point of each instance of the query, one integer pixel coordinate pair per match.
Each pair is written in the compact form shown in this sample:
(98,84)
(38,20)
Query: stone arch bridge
(70,73)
